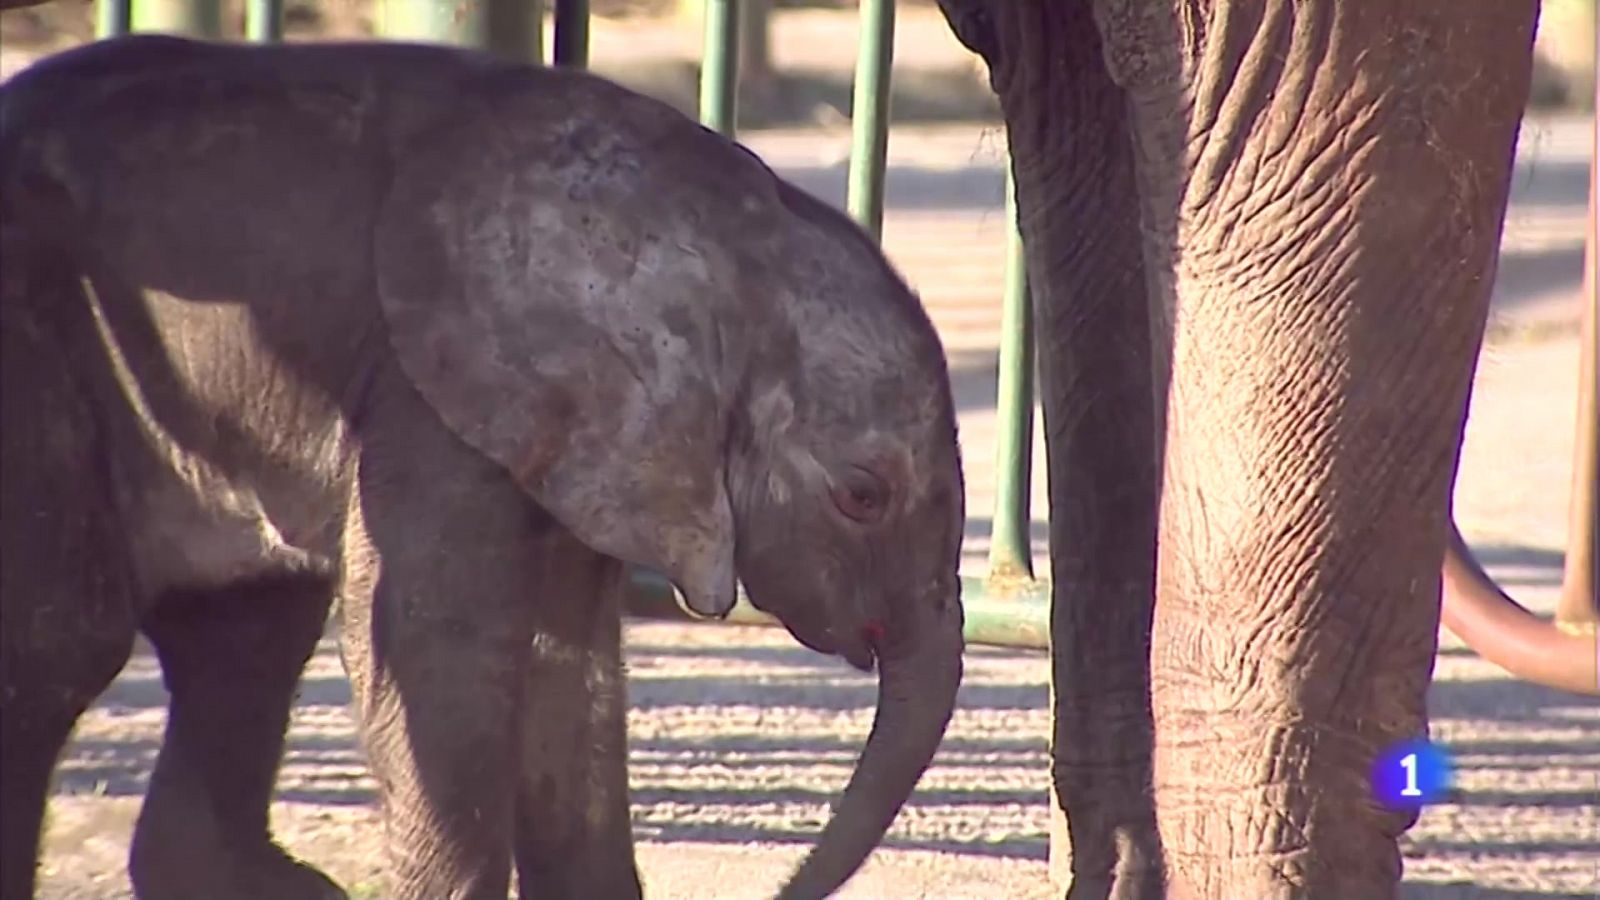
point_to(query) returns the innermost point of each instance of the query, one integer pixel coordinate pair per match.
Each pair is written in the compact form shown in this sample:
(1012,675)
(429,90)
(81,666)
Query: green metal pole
(572,33)
(1017,617)
(193,18)
(459,22)
(719,67)
(514,29)
(510,29)
(1011,544)
(113,18)
(263,21)
(996,618)
(869,115)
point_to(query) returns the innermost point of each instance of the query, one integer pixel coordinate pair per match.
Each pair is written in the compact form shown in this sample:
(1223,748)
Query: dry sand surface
(740,737)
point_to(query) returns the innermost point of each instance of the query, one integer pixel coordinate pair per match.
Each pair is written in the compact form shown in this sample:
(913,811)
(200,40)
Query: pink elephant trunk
(1503,632)
(919,673)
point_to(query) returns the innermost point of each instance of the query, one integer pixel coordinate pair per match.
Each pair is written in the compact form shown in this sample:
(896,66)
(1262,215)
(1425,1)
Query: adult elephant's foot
(1139,873)
(1124,884)
(1103,816)
(1268,808)
(1129,868)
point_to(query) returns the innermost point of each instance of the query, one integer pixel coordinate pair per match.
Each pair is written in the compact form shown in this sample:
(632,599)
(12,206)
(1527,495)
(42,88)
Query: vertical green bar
(459,22)
(514,29)
(263,21)
(112,18)
(192,18)
(509,29)
(572,33)
(719,66)
(1011,545)
(869,115)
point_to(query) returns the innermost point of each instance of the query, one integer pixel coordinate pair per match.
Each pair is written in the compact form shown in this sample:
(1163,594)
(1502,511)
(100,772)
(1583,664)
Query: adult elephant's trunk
(1503,632)
(1492,623)
(919,672)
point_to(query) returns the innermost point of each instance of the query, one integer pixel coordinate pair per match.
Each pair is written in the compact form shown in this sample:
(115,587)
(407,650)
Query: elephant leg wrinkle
(1080,220)
(1318,391)
(1291,163)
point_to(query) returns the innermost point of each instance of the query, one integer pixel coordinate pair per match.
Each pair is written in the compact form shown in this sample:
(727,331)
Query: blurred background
(796,55)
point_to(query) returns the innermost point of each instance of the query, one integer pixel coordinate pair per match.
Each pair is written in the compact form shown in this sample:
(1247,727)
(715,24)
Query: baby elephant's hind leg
(67,593)
(68,630)
(231,659)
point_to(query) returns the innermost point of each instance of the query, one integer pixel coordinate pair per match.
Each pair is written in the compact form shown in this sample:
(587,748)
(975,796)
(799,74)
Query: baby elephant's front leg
(437,629)
(574,830)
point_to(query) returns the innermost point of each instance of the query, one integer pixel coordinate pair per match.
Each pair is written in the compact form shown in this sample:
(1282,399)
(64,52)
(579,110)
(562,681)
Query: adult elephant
(1261,237)
(452,338)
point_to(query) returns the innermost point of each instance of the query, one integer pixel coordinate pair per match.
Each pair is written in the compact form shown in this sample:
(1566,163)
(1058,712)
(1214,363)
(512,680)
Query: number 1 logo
(1409,763)
(1411,774)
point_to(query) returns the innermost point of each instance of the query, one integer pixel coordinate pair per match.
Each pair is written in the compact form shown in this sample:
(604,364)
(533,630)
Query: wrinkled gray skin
(1261,238)
(449,339)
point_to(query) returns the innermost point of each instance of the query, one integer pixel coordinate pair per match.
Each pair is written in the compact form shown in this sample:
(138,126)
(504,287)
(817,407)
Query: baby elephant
(453,340)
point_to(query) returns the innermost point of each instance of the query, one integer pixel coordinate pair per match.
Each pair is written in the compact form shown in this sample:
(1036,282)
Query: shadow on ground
(1469,891)
(326,767)
(783,680)
(1032,849)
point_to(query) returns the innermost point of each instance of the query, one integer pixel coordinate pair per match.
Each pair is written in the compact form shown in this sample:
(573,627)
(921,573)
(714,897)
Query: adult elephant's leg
(574,835)
(1324,184)
(442,566)
(1077,201)
(230,659)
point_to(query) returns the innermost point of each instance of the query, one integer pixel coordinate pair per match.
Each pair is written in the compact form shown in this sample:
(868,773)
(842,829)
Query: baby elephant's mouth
(860,654)
(860,650)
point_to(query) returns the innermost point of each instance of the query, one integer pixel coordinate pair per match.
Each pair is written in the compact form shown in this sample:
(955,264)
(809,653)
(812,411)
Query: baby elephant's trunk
(919,672)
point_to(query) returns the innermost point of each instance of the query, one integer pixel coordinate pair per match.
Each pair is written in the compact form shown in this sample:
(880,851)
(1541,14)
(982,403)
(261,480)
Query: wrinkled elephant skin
(453,340)
(1283,217)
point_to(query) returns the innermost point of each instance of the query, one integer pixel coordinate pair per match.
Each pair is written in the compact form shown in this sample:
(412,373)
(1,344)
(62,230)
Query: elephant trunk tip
(1500,630)
(916,700)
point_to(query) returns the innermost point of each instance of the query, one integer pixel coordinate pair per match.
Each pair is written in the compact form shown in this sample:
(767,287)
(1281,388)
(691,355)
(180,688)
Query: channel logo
(1412,774)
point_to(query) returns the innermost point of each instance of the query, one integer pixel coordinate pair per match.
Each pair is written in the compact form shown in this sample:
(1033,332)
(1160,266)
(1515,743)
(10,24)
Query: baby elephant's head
(845,478)
(697,368)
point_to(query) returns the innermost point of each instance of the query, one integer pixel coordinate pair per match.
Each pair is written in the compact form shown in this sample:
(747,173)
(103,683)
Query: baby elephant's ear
(564,331)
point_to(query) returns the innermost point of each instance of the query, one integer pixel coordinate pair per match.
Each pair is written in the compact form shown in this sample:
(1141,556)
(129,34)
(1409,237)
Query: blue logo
(1412,773)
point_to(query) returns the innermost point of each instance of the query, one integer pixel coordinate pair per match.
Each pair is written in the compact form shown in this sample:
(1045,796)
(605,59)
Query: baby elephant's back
(213,172)
(232,204)
(220,202)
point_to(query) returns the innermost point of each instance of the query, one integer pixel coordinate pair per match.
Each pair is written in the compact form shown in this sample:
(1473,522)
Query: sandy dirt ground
(739,737)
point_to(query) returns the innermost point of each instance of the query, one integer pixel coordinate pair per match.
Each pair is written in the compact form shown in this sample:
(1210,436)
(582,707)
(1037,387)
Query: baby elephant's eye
(861,495)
